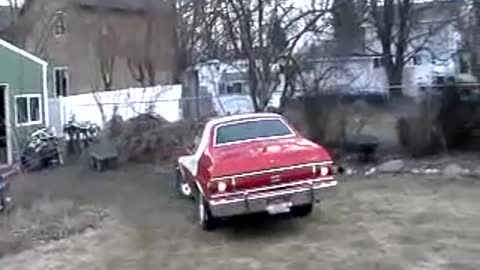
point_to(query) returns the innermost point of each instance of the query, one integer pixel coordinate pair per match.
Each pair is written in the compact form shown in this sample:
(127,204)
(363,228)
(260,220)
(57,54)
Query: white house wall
(353,75)
(209,78)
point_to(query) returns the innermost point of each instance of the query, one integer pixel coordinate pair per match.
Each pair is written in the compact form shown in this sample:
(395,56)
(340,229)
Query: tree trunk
(136,71)
(150,67)
(253,83)
(395,80)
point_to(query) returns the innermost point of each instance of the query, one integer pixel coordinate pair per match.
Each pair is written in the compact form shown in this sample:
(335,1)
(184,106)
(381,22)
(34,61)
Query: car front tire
(302,210)
(183,187)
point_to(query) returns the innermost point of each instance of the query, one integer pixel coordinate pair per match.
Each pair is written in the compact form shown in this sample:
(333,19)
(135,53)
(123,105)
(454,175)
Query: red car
(253,163)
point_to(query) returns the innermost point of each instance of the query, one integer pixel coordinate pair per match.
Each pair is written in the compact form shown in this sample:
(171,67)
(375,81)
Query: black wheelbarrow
(102,155)
(365,146)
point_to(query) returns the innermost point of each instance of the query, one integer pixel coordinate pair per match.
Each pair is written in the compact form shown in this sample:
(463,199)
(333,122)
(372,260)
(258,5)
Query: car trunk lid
(257,164)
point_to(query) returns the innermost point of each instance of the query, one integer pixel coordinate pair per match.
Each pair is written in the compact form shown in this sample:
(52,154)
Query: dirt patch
(93,249)
(46,220)
(382,222)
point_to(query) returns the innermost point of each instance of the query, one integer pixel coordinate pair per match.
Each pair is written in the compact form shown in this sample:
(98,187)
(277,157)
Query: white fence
(99,107)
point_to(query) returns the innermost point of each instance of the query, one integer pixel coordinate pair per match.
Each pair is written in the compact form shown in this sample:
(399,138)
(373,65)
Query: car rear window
(251,130)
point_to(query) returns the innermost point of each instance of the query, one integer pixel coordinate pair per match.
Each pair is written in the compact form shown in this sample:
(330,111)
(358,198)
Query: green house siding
(23,74)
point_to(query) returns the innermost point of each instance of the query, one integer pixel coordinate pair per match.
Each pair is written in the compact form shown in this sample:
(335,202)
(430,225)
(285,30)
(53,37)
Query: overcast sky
(299,2)
(5,2)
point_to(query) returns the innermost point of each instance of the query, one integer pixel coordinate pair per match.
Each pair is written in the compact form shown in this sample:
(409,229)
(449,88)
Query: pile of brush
(147,138)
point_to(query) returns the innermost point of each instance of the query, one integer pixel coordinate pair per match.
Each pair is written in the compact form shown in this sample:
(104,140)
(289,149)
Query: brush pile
(147,138)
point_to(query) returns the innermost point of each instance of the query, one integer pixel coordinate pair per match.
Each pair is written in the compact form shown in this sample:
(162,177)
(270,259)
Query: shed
(23,99)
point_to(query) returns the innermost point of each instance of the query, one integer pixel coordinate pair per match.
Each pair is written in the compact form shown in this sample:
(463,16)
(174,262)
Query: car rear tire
(206,220)
(3,204)
(302,210)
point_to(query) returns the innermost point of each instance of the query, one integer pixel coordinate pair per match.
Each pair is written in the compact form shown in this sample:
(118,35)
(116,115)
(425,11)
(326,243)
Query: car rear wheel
(302,210)
(3,204)
(205,218)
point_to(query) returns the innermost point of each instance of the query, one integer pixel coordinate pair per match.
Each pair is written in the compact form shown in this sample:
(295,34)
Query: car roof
(239,117)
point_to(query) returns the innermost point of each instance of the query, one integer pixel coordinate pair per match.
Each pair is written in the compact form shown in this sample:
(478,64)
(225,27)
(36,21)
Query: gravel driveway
(387,222)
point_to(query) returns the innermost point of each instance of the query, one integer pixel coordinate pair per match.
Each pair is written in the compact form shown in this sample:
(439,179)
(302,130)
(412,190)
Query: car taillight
(220,186)
(322,170)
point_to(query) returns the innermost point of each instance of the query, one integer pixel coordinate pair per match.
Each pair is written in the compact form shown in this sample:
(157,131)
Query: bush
(333,121)
(421,133)
(442,120)
(325,120)
(114,127)
(416,134)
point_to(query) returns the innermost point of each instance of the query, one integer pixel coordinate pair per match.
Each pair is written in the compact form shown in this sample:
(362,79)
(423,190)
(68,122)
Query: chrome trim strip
(222,202)
(273,170)
(325,185)
(278,193)
(200,189)
(310,181)
(274,193)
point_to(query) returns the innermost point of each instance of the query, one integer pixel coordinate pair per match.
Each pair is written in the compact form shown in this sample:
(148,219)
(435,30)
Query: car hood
(264,155)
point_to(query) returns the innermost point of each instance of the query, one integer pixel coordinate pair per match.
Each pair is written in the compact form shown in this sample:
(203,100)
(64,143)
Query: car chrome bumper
(250,203)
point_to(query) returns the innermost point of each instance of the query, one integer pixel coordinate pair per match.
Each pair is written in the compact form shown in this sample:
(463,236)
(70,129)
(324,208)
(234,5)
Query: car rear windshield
(251,130)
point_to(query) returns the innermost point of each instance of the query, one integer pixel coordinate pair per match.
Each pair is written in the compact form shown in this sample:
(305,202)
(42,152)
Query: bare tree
(347,18)
(105,48)
(37,26)
(14,8)
(266,34)
(141,59)
(197,23)
(147,50)
(402,35)
(263,33)
(468,26)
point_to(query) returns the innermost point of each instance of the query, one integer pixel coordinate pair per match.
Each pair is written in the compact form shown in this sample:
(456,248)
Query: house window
(439,80)
(235,88)
(377,62)
(59,23)
(203,91)
(61,81)
(222,89)
(430,30)
(28,109)
(464,66)
(232,88)
(475,58)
